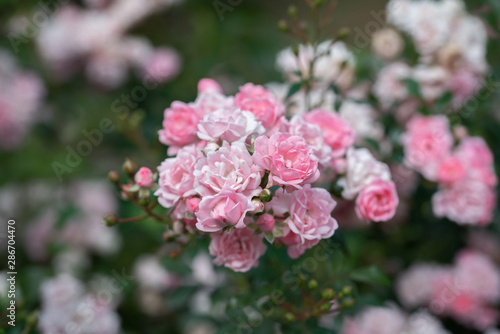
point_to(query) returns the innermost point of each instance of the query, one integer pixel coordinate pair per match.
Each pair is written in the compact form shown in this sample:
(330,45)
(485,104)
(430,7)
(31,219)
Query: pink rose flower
(144,177)
(163,64)
(450,170)
(466,202)
(176,178)
(296,246)
(288,158)
(311,214)
(230,125)
(377,201)
(427,141)
(314,137)
(230,167)
(261,102)
(208,85)
(337,132)
(179,127)
(209,100)
(238,250)
(266,222)
(362,169)
(475,151)
(227,208)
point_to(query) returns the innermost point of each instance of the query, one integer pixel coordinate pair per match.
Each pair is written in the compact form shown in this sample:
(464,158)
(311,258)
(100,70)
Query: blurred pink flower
(238,250)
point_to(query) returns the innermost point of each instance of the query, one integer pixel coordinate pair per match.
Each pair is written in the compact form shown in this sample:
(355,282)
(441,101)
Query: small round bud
(144,177)
(178,227)
(282,25)
(316,3)
(266,222)
(348,302)
(313,284)
(346,290)
(110,220)
(193,204)
(266,195)
(292,12)
(289,317)
(343,33)
(129,167)
(325,307)
(328,294)
(113,176)
(259,206)
(144,197)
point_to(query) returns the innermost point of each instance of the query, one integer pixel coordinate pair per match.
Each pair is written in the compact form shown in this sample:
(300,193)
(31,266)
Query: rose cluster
(243,172)
(467,291)
(464,172)
(94,38)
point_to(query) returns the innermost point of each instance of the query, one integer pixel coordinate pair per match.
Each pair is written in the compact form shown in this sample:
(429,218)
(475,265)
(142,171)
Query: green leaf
(64,215)
(413,88)
(269,237)
(371,275)
(293,89)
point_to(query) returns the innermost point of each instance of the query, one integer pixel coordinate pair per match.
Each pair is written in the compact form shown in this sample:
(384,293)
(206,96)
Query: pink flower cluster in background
(94,38)
(243,172)
(21,94)
(464,172)
(467,291)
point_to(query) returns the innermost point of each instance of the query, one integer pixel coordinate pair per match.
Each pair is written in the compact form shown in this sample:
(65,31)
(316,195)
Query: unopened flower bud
(292,12)
(208,85)
(328,294)
(144,177)
(266,195)
(259,206)
(178,227)
(313,284)
(129,167)
(343,33)
(113,176)
(193,204)
(266,222)
(289,317)
(348,302)
(346,290)
(326,307)
(144,197)
(110,220)
(282,25)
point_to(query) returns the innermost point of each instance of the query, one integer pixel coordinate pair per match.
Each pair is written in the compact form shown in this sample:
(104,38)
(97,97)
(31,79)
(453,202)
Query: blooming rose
(450,170)
(210,100)
(466,202)
(475,151)
(415,286)
(337,132)
(144,177)
(377,201)
(314,137)
(230,125)
(261,102)
(310,214)
(296,246)
(176,178)
(362,169)
(238,250)
(230,167)
(427,141)
(383,320)
(288,158)
(179,126)
(226,208)
(389,86)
